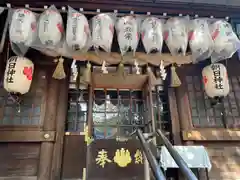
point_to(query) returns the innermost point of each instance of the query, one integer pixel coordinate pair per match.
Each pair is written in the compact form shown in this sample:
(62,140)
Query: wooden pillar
(49,124)
(90,128)
(183,105)
(60,129)
(150,107)
(176,132)
(90,110)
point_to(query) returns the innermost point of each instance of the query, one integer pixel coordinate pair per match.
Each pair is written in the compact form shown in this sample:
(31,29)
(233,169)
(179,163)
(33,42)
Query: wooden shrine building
(44,136)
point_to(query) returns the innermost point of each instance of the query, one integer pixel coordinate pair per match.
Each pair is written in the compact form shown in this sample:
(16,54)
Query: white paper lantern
(215,80)
(77,32)
(152,34)
(102,31)
(18,75)
(51,29)
(226,42)
(128,37)
(23,27)
(176,35)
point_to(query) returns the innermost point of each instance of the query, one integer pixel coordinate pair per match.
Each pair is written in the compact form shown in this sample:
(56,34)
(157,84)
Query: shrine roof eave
(142,6)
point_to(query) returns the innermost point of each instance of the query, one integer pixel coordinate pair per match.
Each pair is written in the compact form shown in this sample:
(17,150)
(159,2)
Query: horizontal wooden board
(211,135)
(19,159)
(27,136)
(140,57)
(19,178)
(116,81)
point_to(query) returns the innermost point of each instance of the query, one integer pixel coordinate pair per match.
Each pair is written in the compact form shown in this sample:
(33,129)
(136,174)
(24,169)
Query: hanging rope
(175,80)
(59,72)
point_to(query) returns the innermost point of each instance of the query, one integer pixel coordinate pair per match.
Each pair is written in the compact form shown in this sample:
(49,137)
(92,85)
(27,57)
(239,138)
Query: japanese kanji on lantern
(215,80)
(18,75)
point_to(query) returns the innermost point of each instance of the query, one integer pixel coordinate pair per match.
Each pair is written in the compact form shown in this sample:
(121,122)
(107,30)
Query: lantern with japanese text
(23,27)
(50,27)
(215,80)
(18,75)
(77,32)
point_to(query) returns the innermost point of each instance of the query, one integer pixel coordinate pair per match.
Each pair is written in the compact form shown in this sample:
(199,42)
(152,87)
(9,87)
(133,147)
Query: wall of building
(225,159)
(222,143)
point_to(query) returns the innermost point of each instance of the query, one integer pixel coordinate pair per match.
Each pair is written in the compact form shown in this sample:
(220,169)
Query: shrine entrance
(112,109)
(116,114)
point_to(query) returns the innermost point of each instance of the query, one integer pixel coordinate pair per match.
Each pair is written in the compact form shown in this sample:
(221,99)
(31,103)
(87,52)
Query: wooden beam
(150,107)
(60,128)
(74,133)
(155,7)
(49,124)
(141,57)
(27,136)
(183,105)
(116,81)
(20,128)
(174,116)
(90,129)
(19,178)
(211,135)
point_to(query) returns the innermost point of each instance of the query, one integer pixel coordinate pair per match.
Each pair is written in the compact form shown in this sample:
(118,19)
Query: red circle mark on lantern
(33,26)
(205,80)
(191,35)
(215,34)
(86,29)
(60,28)
(143,34)
(76,15)
(165,36)
(28,71)
(111,28)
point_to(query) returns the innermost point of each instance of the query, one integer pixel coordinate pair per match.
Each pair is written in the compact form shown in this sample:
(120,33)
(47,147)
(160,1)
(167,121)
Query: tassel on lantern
(59,72)
(120,70)
(86,78)
(175,81)
(152,78)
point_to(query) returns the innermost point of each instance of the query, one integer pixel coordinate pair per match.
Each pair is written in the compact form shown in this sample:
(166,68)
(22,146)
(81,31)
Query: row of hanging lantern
(206,36)
(216,39)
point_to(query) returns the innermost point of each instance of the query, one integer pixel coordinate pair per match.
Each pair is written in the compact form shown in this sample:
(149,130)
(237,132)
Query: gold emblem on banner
(122,157)
(138,157)
(102,158)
